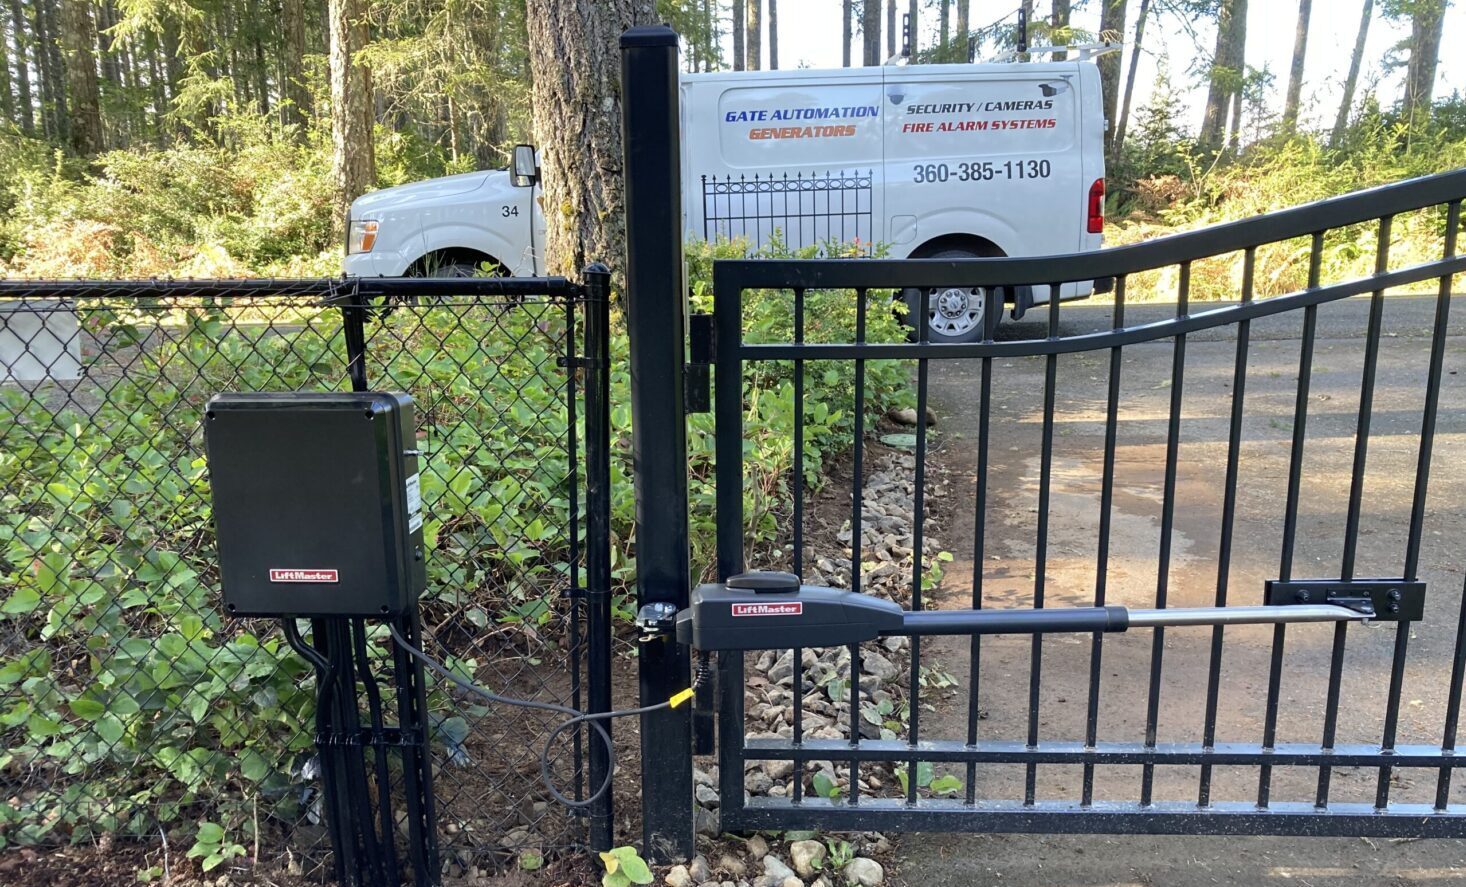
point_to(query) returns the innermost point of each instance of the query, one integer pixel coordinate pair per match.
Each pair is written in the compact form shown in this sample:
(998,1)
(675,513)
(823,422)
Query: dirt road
(1008,573)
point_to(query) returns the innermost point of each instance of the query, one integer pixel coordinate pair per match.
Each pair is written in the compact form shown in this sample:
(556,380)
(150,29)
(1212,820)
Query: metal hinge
(697,374)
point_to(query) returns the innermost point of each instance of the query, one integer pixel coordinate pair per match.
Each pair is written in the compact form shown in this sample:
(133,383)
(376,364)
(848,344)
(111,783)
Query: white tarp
(39,340)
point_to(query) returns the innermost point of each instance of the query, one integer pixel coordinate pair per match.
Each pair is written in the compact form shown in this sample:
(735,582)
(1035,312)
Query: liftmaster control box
(316,503)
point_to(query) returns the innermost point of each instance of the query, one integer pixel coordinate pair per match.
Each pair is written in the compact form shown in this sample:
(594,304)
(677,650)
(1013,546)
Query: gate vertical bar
(655,326)
(597,307)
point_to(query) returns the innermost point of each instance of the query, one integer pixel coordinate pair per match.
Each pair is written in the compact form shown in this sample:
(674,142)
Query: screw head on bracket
(1303,597)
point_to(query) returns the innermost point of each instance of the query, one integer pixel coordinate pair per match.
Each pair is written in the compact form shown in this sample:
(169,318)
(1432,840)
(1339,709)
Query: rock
(705,821)
(791,881)
(879,666)
(905,417)
(783,669)
(778,769)
(865,872)
(679,877)
(702,777)
(757,783)
(758,848)
(699,870)
(729,864)
(706,795)
(821,881)
(776,870)
(807,857)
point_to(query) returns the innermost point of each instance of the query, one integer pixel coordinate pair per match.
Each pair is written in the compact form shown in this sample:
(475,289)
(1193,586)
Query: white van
(934,161)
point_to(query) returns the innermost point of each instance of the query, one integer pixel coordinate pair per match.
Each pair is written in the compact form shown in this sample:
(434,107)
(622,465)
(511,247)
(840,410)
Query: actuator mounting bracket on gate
(1389,600)
(316,503)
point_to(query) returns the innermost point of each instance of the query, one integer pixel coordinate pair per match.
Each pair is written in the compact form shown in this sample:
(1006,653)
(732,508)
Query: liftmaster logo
(316,576)
(793,608)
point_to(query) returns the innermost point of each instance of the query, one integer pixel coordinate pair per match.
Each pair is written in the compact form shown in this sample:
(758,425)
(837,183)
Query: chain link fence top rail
(128,704)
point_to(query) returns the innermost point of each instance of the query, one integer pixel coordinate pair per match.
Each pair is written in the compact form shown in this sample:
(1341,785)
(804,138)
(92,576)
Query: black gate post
(654,322)
(597,306)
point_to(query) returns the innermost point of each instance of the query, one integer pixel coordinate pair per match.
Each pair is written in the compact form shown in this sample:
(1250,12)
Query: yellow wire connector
(680,698)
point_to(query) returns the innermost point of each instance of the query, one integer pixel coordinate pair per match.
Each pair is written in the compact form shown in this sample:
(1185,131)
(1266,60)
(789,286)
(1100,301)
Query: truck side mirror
(525,171)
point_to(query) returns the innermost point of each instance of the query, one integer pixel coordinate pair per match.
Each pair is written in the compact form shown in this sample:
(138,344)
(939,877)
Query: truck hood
(417,192)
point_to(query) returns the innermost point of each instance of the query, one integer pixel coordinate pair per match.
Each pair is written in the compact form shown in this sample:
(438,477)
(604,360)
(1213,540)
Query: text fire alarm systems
(317,503)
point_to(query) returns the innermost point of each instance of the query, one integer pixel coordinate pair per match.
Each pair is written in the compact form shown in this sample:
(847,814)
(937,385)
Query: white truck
(921,161)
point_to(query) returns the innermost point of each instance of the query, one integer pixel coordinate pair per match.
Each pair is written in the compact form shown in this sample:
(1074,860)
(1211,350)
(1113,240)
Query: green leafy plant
(624,866)
(213,847)
(825,786)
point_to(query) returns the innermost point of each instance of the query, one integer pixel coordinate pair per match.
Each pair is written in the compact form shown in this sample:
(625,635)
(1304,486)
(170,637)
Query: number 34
(508,211)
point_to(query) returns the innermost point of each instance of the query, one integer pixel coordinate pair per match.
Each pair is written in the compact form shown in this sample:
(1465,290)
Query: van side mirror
(524,171)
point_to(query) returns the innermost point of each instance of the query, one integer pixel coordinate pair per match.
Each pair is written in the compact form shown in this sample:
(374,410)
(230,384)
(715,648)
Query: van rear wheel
(954,314)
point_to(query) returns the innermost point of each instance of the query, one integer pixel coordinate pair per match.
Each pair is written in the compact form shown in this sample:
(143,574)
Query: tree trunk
(944,19)
(871,23)
(1026,16)
(1346,104)
(1112,20)
(1426,23)
(1226,70)
(575,59)
(53,72)
(25,115)
(738,35)
(1239,56)
(261,68)
(847,37)
(773,35)
(1295,73)
(890,28)
(710,34)
(961,29)
(296,98)
(79,36)
(1059,25)
(353,160)
(7,98)
(1130,77)
(755,36)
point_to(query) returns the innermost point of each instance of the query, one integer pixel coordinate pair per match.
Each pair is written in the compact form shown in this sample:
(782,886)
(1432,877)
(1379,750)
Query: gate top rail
(335,290)
(1299,221)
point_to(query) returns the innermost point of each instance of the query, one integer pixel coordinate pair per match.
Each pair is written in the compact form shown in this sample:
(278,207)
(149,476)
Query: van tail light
(1097,207)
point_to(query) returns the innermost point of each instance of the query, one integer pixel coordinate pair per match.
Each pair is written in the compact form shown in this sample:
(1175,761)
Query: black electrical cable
(576,718)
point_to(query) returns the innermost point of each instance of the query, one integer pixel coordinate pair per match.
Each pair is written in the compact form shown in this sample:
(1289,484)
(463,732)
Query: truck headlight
(361,236)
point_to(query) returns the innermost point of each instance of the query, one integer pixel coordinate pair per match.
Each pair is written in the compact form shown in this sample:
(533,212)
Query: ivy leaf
(110,729)
(946,784)
(23,600)
(210,833)
(87,709)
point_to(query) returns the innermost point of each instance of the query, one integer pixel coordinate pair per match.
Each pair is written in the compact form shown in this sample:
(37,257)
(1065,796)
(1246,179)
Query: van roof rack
(1083,51)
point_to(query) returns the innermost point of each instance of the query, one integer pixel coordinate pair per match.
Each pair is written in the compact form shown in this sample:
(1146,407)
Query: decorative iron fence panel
(831,209)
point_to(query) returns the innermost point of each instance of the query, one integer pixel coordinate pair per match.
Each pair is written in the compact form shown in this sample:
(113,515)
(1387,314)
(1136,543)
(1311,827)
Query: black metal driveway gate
(1360,218)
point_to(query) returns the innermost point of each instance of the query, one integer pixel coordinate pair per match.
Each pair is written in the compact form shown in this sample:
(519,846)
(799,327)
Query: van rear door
(991,150)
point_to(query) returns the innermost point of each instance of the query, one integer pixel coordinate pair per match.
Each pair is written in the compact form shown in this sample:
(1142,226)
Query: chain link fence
(130,706)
